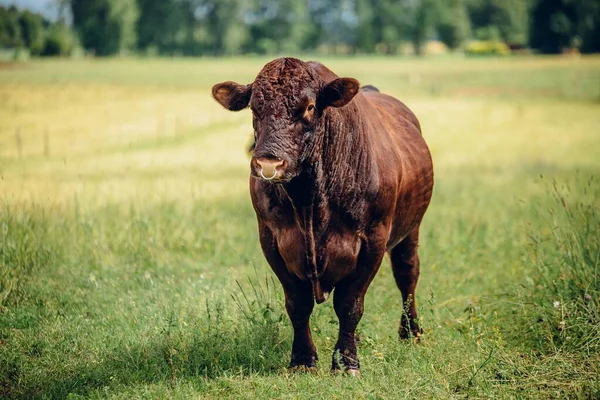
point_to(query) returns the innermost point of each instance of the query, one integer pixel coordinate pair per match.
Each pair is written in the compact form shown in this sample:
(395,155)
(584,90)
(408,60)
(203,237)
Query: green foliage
(60,41)
(10,29)
(510,18)
(562,297)
(560,24)
(285,26)
(487,48)
(490,32)
(588,27)
(419,19)
(32,31)
(27,245)
(230,27)
(552,27)
(226,29)
(366,29)
(105,26)
(453,26)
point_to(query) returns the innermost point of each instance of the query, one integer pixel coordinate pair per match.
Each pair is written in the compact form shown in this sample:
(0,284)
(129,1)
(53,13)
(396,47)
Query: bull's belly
(336,255)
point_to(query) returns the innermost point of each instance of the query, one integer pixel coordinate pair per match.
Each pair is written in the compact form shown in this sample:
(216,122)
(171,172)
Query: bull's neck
(337,170)
(334,177)
(345,157)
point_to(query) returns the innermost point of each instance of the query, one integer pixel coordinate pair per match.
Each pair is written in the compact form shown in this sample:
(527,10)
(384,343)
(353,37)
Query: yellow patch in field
(143,131)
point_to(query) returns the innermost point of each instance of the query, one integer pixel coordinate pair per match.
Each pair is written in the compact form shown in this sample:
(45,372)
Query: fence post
(19,139)
(46,143)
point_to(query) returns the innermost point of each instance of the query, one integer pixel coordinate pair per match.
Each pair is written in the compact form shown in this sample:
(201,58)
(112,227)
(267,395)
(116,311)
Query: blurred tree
(559,24)
(488,33)
(60,41)
(225,31)
(10,29)
(219,27)
(453,25)
(588,26)
(553,25)
(338,26)
(32,31)
(301,36)
(419,19)
(105,26)
(159,26)
(366,29)
(191,38)
(511,17)
(287,25)
(391,27)
(506,19)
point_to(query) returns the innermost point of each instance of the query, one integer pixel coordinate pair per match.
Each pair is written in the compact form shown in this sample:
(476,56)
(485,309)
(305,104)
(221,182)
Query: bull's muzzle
(269,169)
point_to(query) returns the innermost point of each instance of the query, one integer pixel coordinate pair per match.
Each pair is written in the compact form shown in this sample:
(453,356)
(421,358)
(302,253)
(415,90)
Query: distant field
(130,264)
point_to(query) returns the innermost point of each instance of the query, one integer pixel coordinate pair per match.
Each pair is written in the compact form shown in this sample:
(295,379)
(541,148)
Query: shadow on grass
(236,337)
(221,343)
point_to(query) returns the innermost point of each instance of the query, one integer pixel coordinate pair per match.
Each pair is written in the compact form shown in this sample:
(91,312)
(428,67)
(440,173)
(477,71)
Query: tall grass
(28,244)
(562,290)
(129,258)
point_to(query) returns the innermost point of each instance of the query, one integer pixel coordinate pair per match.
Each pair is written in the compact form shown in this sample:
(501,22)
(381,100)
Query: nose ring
(271,178)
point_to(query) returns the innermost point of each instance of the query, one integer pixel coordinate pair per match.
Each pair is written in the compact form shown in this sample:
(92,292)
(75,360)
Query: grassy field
(129,257)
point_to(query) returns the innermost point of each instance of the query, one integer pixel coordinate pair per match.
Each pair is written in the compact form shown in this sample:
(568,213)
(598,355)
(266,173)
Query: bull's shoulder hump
(325,73)
(390,107)
(369,88)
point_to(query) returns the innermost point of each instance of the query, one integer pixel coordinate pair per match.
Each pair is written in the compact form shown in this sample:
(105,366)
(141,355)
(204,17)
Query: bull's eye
(308,113)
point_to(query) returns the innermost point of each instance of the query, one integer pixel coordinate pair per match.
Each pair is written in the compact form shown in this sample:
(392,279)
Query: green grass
(129,257)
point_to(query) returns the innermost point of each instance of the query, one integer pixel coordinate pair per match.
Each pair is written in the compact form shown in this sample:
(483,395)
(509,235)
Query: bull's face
(288,101)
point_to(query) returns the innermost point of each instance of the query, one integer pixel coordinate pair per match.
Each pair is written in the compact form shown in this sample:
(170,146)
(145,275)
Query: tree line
(226,27)
(23,29)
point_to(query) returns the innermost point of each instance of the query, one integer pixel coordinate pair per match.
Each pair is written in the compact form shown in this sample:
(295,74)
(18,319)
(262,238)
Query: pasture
(129,258)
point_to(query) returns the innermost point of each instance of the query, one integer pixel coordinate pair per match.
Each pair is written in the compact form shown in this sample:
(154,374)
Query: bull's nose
(268,167)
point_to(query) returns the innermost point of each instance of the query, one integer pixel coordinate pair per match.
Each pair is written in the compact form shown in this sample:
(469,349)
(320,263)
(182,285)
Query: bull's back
(404,163)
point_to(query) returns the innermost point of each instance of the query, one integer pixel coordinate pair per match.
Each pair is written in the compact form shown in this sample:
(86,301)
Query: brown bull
(340,176)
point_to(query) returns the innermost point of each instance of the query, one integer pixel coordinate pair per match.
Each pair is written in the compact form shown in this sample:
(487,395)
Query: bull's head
(289,102)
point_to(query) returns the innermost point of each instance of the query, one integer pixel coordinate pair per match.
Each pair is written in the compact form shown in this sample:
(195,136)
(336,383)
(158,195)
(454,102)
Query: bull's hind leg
(405,264)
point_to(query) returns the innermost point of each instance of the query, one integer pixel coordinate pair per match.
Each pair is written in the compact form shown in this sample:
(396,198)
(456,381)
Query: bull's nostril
(269,163)
(268,168)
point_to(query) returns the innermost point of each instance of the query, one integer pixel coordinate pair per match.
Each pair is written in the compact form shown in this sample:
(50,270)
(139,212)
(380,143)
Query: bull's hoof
(417,337)
(348,371)
(415,334)
(344,361)
(303,363)
(302,369)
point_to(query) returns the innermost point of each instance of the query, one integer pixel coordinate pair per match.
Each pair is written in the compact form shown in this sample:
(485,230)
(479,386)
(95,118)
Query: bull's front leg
(299,303)
(348,302)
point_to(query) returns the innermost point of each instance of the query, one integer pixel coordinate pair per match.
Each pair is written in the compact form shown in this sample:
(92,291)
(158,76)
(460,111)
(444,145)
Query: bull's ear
(231,95)
(338,92)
